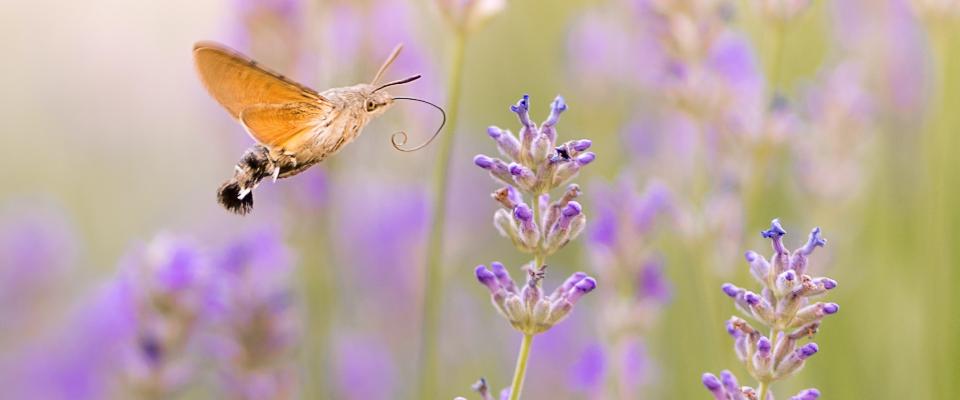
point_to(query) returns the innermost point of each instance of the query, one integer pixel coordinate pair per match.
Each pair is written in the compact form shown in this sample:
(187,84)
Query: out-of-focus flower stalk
(464,18)
(433,280)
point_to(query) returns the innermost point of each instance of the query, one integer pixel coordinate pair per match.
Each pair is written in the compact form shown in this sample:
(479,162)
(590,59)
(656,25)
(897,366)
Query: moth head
(378,100)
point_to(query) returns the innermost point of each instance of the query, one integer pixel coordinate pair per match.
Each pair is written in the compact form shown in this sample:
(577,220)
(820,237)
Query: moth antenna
(399,139)
(397,82)
(386,64)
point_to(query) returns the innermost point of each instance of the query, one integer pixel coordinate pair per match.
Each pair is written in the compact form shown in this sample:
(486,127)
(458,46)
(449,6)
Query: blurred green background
(103,116)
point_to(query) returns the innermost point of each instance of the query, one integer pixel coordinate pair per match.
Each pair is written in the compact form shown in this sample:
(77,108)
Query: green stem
(779,37)
(521,371)
(763,388)
(433,281)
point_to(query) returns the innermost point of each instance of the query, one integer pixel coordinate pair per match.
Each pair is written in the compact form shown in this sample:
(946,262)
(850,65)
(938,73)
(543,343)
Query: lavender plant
(784,307)
(167,282)
(464,18)
(621,248)
(258,323)
(536,166)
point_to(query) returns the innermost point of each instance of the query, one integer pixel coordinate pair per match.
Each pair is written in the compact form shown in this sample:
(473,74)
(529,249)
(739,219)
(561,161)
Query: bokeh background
(709,118)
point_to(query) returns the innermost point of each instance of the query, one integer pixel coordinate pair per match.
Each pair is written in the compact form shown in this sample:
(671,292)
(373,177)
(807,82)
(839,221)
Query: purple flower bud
(522,108)
(556,108)
(731,290)
(827,283)
(813,242)
(751,298)
(732,329)
(523,213)
(764,345)
(712,383)
(586,158)
(759,267)
(781,261)
(483,161)
(507,143)
(831,308)
(572,281)
(586,285)
(809,394)
(503,276)
(582,144)
(807,350)
(729,381)
(487,278)
(572,209)
(775,231)
(786,281)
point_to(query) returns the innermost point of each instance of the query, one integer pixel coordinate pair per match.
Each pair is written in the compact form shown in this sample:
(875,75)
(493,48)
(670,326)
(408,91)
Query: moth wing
(238,82)
(276,125)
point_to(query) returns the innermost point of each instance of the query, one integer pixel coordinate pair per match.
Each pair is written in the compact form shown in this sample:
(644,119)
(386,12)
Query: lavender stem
(521,371)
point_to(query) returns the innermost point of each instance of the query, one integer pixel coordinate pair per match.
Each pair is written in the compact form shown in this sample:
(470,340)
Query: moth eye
(371,106)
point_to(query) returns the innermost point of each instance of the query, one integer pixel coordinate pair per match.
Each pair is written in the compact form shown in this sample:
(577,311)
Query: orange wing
(237,82)
(275,125)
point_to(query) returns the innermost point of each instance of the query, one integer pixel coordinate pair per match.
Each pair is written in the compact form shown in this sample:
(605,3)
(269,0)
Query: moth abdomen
(229,197)
(236,194)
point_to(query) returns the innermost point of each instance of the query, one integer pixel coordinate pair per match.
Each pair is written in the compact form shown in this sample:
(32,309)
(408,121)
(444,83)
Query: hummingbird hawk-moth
(294,126)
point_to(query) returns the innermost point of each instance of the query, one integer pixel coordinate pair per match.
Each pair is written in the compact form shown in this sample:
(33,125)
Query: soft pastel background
(847,119)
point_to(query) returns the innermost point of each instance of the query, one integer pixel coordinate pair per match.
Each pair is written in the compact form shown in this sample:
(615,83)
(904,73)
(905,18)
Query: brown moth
(295,126)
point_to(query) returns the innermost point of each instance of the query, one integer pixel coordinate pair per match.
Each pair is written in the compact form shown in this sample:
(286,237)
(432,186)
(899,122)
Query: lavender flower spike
(535,165)
(528,310)
(782,306)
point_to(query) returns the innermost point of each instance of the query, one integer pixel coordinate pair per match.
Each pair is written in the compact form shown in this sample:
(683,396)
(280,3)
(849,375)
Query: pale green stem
(763,388)
(521,371)
(433,280)
(779,36)
(539,259)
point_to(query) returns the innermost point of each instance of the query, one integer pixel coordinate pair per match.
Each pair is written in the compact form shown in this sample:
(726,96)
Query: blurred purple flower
(270,30)
(80,360)
(364,369)
(393,220)
(831,154)
(885,36)
(652,282)
(627,361)
(38,247)
(168,280)
(588,373)
(253,307)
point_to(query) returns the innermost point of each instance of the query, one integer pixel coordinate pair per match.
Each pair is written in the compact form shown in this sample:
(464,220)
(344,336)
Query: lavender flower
(784,306)
(620,252)
(535,165)
(38,246)
(257,315)
(168,280)
(527,308)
